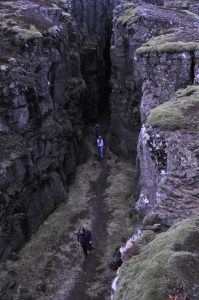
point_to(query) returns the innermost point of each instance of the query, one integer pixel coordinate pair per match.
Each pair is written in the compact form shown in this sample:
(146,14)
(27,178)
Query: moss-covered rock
(175,41)
(181,112)
(150,220)
(172,257)
(130,14)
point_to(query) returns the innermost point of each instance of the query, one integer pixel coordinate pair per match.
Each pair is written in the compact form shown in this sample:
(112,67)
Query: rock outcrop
(168,152)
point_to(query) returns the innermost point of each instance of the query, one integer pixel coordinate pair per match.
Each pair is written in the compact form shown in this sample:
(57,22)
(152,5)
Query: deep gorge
(65,65)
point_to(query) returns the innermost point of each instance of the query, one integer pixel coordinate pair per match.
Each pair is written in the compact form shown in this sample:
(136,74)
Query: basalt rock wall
(41,126)
(43,89)
(164,70)
(154,54)
(134,23)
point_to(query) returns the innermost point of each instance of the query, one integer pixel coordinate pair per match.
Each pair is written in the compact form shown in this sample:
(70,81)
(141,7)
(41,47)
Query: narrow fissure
(96,71)
(57,251)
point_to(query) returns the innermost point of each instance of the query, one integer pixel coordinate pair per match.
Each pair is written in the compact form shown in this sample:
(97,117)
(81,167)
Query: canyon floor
(52,265)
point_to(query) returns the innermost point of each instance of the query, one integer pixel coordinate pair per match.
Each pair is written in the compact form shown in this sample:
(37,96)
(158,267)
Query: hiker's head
(100,137)
(82,229)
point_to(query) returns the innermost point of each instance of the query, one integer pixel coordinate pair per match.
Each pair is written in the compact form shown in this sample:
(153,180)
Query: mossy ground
(172,257)
(181,112)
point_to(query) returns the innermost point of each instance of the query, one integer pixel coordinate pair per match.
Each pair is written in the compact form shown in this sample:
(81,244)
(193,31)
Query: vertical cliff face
(156,149)
(41,124)
(153,55)
(135,78)
(46,77)
(164,77)
(168,151)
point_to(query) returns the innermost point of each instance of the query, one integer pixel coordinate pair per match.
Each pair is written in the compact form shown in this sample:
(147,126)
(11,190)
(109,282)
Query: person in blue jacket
(100,146)
(84,239)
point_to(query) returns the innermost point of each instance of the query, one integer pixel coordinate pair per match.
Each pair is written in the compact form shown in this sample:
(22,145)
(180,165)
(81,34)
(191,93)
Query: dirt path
(51,266)
(99,221)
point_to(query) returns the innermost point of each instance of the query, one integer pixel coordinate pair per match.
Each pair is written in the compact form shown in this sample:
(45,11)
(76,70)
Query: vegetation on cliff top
(26,22)
(130,14)
(174,41)
(155,273)
(181,112)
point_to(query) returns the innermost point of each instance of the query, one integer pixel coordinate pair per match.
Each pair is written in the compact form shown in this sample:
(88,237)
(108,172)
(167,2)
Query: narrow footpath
(90,272)
(52,266)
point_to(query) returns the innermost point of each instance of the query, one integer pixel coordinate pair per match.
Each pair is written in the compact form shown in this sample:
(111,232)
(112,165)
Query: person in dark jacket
(97,130)
(84,239)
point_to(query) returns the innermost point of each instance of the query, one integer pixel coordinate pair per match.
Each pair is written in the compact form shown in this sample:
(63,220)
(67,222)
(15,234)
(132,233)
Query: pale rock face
(163,74)
(169,174)
(152,154)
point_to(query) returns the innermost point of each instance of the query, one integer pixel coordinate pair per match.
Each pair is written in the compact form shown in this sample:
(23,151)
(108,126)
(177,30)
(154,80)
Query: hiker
(100,145)
(84,239)
(97,130)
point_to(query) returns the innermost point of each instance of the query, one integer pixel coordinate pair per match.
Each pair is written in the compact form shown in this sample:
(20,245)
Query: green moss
(172,41)
(181,112)
(149,235)
(26,34)
(160,264)
(168,47)
(130,15)
(4,24)
(151,219)
(177,4)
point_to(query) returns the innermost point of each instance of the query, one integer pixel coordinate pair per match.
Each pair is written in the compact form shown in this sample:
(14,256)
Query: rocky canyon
(133,67)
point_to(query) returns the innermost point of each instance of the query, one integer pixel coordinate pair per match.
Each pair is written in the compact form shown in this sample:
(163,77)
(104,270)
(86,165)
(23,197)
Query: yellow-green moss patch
(181,112)
(130,15)
(175,41)
(26,34)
